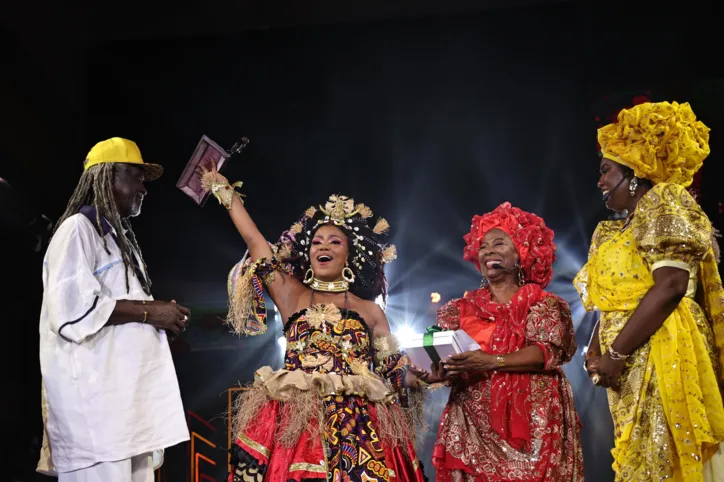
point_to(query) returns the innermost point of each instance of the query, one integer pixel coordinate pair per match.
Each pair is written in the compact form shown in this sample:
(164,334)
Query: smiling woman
(659,345)
(340,408)
(510,415)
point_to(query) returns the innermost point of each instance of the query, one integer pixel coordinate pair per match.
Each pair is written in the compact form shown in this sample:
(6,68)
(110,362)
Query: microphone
(605,197)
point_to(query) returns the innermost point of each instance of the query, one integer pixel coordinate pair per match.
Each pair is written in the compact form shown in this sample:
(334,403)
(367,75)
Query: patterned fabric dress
(506,426)
(326,415)
(668,417)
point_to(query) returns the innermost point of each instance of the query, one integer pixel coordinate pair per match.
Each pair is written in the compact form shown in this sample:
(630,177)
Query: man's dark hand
(168,315)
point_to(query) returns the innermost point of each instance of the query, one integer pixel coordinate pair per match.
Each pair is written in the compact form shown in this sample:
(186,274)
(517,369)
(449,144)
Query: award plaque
(206,153)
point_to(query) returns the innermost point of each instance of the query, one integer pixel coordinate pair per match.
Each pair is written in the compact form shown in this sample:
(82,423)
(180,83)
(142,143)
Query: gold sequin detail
(668,416)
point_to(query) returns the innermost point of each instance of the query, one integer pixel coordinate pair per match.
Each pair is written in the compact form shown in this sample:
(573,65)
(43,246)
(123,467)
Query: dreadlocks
(95,188)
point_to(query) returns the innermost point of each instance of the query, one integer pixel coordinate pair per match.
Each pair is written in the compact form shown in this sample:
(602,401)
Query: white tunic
(112,391)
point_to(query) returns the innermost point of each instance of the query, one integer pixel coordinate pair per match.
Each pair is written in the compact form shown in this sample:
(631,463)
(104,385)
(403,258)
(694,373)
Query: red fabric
(479,331)
(510,412)
(263,431)
(506,426)
(309,450)
(532,238)
(398,458)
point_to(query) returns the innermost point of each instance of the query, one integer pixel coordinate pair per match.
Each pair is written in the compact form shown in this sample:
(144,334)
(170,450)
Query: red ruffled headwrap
(532,238)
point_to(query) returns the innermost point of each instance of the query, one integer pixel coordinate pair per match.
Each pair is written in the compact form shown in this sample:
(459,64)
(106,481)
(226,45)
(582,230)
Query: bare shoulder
(370,311)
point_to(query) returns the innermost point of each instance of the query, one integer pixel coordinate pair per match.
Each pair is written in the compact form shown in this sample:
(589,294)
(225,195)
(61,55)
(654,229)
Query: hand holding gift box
(427,348)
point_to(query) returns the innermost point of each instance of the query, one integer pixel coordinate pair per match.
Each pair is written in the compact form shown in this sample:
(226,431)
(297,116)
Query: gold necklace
(338,286)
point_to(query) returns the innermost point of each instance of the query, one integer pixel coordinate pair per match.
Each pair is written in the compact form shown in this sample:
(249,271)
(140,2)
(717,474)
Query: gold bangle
(501,361)
(225,192)
(614,355)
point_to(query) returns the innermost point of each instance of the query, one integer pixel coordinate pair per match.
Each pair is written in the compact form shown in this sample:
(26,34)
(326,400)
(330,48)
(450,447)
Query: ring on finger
(596,379)
(186,318)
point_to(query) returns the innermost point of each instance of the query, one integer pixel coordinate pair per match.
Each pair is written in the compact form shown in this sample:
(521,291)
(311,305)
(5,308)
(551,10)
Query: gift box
(427,348)
(206,153)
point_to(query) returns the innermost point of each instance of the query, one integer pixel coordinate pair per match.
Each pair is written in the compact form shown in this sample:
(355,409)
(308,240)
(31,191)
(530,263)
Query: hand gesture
(168,315)
(209,176)
(591,364)
(437,374)
(471,362)
(609,371)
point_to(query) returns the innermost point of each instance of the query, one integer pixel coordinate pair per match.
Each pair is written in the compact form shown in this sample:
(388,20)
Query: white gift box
(444,344)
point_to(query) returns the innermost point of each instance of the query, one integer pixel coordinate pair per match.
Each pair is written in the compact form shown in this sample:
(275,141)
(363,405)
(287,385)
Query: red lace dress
(502,426)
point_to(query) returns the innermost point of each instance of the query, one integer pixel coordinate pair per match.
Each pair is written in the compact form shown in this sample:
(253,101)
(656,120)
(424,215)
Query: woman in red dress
(510,416)
(339,409)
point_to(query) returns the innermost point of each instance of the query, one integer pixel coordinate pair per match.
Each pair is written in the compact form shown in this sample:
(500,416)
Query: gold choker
(328,286)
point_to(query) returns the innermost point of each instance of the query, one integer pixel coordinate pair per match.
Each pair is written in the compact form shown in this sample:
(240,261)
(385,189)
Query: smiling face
(329,252)
(497,249)
(613,183)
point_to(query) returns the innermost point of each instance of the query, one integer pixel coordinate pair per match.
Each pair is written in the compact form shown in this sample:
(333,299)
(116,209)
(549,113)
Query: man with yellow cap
(111,400)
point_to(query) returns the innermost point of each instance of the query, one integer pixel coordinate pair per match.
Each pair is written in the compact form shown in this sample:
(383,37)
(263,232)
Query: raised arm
(282,288)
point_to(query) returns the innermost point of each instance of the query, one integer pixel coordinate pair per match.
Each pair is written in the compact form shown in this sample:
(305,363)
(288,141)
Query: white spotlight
(403,333)
(282,341)
(380,302)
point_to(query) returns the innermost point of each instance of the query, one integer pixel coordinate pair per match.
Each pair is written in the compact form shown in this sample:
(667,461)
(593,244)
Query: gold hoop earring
(308,276)
(633,185)
(348,275)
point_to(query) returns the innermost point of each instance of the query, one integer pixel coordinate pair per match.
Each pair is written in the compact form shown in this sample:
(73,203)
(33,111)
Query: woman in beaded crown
(340,407)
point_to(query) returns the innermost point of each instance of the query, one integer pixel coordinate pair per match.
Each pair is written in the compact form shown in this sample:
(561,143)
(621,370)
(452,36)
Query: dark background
(428,113)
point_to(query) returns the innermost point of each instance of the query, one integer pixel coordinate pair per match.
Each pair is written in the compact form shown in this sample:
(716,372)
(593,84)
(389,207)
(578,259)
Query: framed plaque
(206,153)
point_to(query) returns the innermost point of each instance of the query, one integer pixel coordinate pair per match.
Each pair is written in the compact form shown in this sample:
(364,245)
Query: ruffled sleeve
(670,229)
(550,327)
(246,283)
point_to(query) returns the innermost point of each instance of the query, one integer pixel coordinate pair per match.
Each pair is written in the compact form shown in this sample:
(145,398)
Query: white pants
(135,469)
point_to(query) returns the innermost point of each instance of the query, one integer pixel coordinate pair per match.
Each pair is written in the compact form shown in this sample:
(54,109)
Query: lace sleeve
(671,229)
(550,327)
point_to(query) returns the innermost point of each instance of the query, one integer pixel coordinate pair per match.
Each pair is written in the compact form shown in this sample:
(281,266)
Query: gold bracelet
(225,192)
(614,355)
(501,361)
(145,316)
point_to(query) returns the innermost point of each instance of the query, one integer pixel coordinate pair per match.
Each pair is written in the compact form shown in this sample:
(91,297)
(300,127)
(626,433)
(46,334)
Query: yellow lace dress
(669,416)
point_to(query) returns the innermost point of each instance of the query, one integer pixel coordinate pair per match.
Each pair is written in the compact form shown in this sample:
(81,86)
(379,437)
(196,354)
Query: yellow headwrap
(660,141)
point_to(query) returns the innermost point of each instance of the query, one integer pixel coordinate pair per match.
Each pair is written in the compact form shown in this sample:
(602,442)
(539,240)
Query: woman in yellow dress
(654,278)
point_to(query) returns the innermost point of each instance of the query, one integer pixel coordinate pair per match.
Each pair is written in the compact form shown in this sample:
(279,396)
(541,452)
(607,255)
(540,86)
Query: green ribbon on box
(427,344)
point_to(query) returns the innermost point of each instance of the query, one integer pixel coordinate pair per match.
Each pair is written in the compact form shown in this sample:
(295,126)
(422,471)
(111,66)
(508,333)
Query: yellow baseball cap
(119,150)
